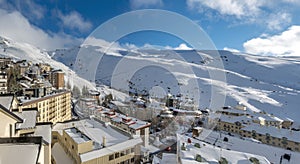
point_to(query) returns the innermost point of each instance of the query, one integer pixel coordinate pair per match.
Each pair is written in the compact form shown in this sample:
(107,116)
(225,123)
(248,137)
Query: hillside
(262,83)
(24,51)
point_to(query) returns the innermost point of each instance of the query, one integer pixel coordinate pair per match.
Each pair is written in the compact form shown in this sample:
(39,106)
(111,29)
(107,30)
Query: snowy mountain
(24,51)
(261,83)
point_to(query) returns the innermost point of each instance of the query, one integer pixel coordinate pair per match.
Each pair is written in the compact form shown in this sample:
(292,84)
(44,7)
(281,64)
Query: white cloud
(285,43)
(75,21)
(278,20)
(236,8)
(28,8)
(15,26)
(272,14)
(136,4)
(182,46)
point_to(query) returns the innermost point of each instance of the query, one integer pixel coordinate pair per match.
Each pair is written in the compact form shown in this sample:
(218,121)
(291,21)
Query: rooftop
(77,135)
(212,154)
(95,131)
(28,117)
(273,131)
(6,100)
(91,130)
(26,149)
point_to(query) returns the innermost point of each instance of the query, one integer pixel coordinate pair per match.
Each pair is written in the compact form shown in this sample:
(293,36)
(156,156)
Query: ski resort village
(46,118)
(149,82)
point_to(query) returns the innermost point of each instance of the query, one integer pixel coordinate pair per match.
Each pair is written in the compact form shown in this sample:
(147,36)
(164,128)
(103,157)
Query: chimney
(104,141)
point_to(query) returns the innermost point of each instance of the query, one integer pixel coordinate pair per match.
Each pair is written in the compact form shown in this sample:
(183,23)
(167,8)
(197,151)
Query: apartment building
(21,128)
(51,108)
(125,123)
(270,135)
(57,79)
(3,82)
(92,142)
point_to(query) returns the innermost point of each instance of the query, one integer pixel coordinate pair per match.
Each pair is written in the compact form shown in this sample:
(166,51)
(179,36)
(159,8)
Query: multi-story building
(4,62)
(92,142)
(51,108)
(21,128)
(57,79)
(3,82)
(271,135)
(267,133)
(131,125)
(22,67)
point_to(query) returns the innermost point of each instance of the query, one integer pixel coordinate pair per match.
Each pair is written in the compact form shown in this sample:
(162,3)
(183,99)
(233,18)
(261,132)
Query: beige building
(92,142)
(267,133)
(51,108)
(131,125)
(284,138)
(14,125)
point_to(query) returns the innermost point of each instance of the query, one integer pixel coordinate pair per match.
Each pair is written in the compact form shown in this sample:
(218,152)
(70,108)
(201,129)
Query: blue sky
(266,27)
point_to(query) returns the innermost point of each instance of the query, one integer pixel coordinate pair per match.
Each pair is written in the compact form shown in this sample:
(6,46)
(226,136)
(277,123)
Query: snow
(60,155)
(23,51)
(93,130)
(110,149)
(19,153)
(273,131)
(261,83)
(168,158)
(6,101)
(213,154)
(44,131)
(28,117)
(244,145)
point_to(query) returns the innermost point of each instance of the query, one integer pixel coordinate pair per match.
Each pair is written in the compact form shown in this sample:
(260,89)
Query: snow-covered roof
(233,119)
(43,131)
(19,153)
(6,100)
(60,155)
(110,149)
(93,130)
(243,145)
(77,135)
(133,123)
(212,154)
(28,117)
(273,131)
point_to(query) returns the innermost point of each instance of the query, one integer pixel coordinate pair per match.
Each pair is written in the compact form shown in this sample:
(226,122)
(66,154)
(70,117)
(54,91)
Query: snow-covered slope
(270,84)
(24,51)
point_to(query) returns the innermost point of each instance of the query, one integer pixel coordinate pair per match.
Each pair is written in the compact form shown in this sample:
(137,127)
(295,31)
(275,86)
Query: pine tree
(76,91)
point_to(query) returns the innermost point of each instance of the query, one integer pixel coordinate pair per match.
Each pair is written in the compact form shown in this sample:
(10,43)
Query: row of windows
(127,161)
(120,154)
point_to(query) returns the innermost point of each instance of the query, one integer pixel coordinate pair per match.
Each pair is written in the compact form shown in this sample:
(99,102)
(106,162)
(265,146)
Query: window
(72,146)
(111,157)
(132,160)
(117,155)
(122,153)
(10,130)
(132,150)
(127,151)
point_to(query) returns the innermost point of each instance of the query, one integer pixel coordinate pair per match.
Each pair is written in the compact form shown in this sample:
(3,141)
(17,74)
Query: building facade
(84,144)
(57,79)
(51,108)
